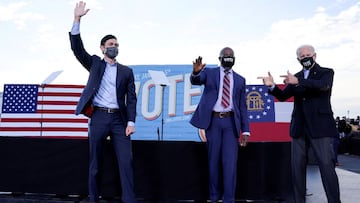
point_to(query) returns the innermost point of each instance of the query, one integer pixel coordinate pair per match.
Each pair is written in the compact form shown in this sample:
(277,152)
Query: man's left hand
(129,130)
(290,79)
(244,140)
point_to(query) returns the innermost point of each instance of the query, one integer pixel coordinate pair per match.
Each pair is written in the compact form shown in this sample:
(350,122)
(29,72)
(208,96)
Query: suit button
(304,99)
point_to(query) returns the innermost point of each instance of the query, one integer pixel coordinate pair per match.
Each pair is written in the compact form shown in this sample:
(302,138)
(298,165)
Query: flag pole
(48,80)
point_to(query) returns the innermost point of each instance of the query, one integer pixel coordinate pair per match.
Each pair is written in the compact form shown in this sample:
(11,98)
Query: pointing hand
(267,80)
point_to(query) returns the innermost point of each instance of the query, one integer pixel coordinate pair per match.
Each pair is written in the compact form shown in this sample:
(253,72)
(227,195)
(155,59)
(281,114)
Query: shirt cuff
(130,123)
(196,74)
(272,87)
(75,30)
(246,133)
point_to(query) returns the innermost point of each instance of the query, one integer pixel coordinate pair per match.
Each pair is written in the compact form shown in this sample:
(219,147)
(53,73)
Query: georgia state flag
(269,118)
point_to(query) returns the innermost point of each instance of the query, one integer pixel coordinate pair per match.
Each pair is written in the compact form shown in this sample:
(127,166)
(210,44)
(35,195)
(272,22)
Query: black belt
(222,114)
(107,110)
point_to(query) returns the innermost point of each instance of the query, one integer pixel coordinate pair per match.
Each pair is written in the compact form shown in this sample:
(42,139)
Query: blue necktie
(306,73)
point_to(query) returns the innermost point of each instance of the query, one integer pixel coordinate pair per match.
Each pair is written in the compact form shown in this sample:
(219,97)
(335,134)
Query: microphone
(158,132)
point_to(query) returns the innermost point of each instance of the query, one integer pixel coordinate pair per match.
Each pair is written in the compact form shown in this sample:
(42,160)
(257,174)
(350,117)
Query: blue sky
(264,34)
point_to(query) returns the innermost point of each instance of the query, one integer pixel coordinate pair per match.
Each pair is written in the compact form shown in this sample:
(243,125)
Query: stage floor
(348,172)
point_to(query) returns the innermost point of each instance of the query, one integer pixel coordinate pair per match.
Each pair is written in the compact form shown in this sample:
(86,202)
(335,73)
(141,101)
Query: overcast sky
(264,35)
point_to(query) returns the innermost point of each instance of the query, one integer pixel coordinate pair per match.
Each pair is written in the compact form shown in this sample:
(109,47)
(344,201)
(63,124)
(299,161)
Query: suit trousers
(222,145)
(103,124)
(324,153)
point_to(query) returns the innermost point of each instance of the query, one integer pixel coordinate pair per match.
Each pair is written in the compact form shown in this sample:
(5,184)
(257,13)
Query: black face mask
(111,52)
(227,61)
(307,62)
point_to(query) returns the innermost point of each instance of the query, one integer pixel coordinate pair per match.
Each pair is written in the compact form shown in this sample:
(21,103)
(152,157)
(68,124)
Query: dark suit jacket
(312,106)
(125,87)
(210,78)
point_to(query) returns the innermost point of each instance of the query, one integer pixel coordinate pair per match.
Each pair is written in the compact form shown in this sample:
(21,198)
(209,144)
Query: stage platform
(348,172)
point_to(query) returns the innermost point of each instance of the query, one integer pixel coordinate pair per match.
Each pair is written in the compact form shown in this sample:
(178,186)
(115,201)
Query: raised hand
(80,10)
(198,65)
(267,80)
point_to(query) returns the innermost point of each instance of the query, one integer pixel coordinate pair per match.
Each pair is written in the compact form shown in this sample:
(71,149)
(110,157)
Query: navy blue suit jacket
(312,106)
(125,86)
(210,78)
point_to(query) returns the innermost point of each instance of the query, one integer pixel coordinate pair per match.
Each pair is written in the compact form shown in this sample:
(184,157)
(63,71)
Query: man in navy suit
(109,99)
(312,122)
(222,112)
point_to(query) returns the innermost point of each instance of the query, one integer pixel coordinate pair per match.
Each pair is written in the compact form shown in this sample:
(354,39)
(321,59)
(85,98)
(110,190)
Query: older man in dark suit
(222,112)
(312,122)
(109,99)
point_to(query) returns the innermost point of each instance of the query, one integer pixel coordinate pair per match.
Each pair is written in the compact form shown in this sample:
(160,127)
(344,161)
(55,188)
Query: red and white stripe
(54,117)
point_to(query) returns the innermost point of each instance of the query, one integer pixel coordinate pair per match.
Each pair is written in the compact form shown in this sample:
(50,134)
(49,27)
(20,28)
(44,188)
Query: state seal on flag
(260,104)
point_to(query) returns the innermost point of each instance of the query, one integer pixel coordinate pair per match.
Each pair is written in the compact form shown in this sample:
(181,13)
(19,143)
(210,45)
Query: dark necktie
(225,100)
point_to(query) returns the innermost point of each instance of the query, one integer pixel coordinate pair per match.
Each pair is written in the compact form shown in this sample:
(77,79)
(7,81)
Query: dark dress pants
(324,153)
(101,125)
(222,144)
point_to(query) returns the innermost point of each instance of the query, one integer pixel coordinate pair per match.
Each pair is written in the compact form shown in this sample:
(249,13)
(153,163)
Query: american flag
(34,110)
(269,118)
